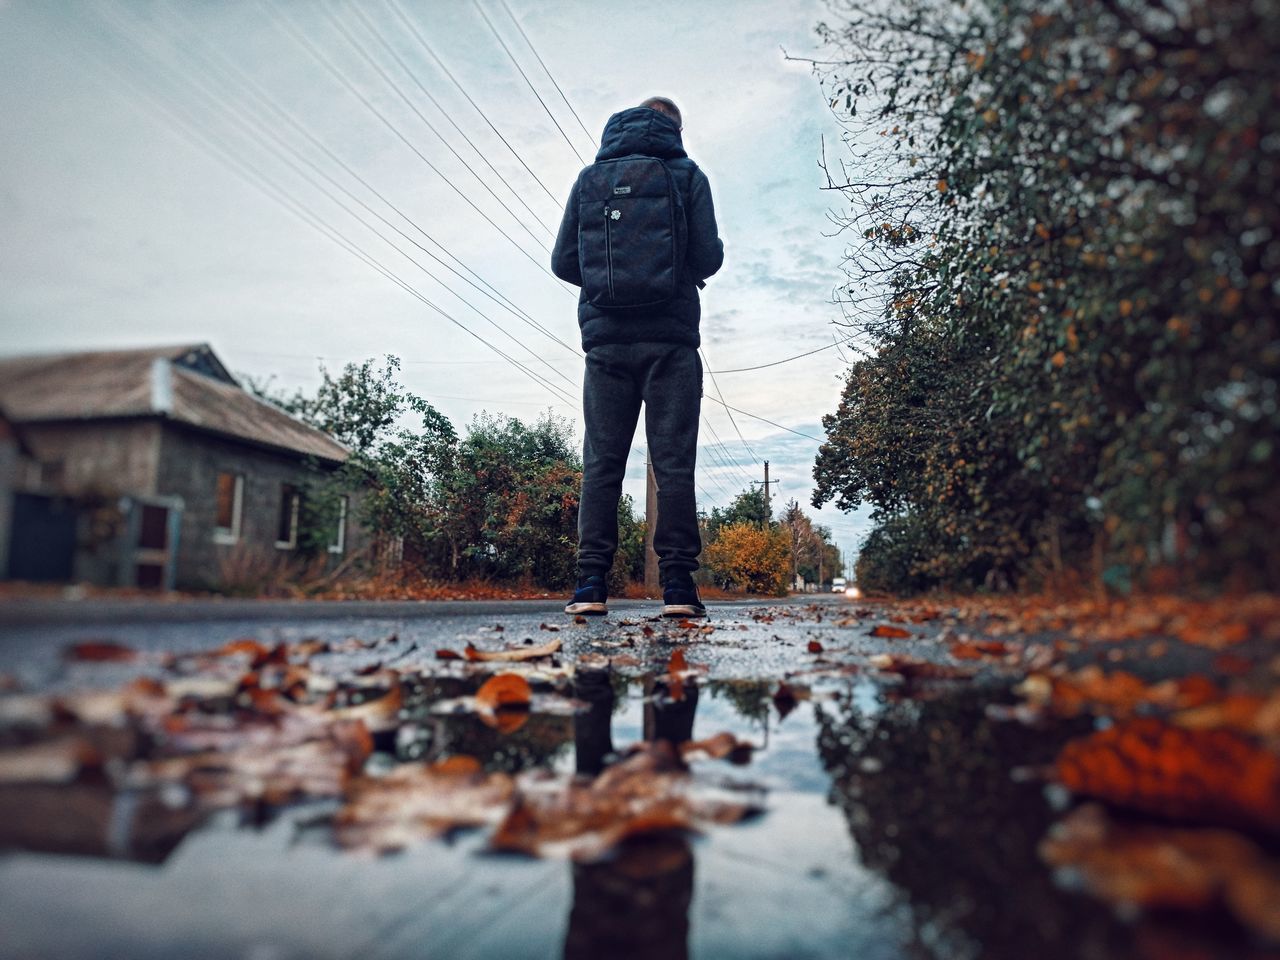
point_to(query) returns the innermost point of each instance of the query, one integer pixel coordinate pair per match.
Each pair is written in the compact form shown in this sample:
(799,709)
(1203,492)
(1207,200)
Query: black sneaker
(680,599)
(590,597)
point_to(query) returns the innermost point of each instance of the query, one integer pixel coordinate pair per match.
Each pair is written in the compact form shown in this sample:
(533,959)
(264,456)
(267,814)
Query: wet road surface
(896,822)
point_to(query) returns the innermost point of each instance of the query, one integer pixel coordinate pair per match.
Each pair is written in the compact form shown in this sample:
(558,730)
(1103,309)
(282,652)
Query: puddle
(891,828)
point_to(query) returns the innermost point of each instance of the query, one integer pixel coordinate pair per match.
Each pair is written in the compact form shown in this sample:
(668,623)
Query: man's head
(666,106)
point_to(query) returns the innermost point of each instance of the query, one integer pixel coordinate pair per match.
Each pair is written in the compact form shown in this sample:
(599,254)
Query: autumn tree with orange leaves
(1064,223)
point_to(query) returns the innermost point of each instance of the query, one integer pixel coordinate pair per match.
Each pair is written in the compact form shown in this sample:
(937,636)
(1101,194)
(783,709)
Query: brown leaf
(784,698)
(548,628)
(381,713)
(52,761)
(246,646)
(896,633)
(579,618)
(414,802)
(1214,776)
(101,651)
(515,654)
(721,746)
(978,649)
(445,654)
(1166,868)
(647,630)
(911,668)
(815,646)
(504,690)
(677,664)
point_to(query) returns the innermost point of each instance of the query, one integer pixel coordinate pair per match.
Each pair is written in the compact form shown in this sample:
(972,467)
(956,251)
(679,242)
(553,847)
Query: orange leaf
(815,646)
(101,651)
(677,663)
(444,654)
(504,690)
(1211,775)
(896,633)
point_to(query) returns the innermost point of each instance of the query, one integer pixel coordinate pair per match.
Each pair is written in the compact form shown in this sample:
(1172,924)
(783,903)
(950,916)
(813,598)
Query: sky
(159,184)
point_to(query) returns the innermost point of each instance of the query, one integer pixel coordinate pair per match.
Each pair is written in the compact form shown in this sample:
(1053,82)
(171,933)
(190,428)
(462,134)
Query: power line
(386,77)
(505,6)
(324,61)
(489,290)
(516,63)
(715,384)
(807,436)
(395,8)
(236,114)
(807,353)
(381,38)
(282,197)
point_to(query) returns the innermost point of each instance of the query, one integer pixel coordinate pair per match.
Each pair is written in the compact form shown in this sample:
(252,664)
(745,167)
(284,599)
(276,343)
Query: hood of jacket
(641,130)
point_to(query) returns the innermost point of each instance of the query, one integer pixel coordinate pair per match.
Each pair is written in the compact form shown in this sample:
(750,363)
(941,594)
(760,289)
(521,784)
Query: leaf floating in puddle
(647,792)
(893,633)
(1161,867)
(101,651)
(504,690)
(1216,776)
(784,698)
(520,653)
(720,747)
(415,802)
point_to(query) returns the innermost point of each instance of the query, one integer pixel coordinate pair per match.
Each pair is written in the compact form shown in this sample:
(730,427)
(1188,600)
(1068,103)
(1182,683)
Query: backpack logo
(621,191)
(615,214)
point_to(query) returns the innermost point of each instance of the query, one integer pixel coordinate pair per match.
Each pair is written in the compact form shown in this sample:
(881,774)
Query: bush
(744,556)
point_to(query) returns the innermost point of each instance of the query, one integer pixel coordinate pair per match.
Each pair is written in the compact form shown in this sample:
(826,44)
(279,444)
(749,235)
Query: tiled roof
(189,385)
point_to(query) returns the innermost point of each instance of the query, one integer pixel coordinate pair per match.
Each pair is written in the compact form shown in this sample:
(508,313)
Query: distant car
(838,585)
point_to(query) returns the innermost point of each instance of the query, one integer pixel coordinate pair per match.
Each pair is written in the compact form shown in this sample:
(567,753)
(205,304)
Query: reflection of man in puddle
(636,903)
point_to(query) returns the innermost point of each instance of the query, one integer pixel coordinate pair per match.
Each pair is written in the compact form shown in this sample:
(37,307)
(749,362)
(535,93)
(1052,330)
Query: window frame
(230,535)
(295,505)
(338,544)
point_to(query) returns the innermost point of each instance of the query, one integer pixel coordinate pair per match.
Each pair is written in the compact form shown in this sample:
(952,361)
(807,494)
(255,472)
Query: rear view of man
(639,237)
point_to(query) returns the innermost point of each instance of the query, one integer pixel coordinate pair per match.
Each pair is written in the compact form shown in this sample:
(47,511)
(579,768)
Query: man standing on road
(639,237)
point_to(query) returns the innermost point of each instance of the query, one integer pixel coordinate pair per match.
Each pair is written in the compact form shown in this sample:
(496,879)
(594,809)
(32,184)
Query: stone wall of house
(99,458)
(190,462)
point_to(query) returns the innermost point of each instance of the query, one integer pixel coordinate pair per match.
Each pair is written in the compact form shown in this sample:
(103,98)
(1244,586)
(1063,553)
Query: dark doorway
(43,542)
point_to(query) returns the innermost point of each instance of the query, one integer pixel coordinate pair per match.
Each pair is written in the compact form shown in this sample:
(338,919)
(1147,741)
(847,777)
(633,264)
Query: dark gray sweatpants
(667,378)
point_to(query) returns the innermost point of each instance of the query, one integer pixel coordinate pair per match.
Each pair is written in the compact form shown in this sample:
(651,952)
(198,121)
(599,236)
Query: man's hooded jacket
(650,133)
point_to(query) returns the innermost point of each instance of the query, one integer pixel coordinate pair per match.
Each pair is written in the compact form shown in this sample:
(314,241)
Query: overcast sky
(123,224)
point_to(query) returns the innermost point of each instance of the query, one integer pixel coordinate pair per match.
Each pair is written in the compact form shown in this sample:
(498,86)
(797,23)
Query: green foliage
(747,507)
(500,502)
(1075,209)
(891,557)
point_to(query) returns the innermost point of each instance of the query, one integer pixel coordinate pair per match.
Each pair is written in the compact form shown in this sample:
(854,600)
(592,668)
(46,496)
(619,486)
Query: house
(152,468)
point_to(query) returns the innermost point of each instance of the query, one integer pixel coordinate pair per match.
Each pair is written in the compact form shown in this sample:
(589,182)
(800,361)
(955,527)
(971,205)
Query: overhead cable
(516,63)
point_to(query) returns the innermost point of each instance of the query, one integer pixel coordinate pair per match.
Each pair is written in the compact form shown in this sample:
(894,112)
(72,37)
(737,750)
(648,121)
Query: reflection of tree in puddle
(926,789)
(927,793)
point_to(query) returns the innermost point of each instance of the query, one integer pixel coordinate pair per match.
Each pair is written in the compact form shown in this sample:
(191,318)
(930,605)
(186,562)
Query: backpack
(631,232)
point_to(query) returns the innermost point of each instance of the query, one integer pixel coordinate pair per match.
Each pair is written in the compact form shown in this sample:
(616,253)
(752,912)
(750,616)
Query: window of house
(287,527)
(229,507)
(338,543)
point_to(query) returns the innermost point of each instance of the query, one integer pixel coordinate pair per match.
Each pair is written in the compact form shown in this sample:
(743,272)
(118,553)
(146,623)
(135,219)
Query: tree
(1066,214)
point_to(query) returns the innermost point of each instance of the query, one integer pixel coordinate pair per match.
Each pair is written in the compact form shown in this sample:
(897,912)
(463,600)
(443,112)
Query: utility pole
(650,525)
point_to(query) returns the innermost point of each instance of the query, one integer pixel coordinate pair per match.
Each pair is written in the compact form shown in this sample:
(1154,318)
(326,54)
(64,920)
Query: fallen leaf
(815,646)
(677,664)
(446,654)
(1214,776)
(504,690)
(52,761)
(884,630)
(514,654)
(911,668)
(1168,868)
(579,618)
(415,802)
(721,746)
(784,698)
(978,649)
(548,628)
(101,651)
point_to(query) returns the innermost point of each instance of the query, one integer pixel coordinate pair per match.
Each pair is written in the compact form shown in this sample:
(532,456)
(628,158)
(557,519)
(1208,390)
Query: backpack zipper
(608,251)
